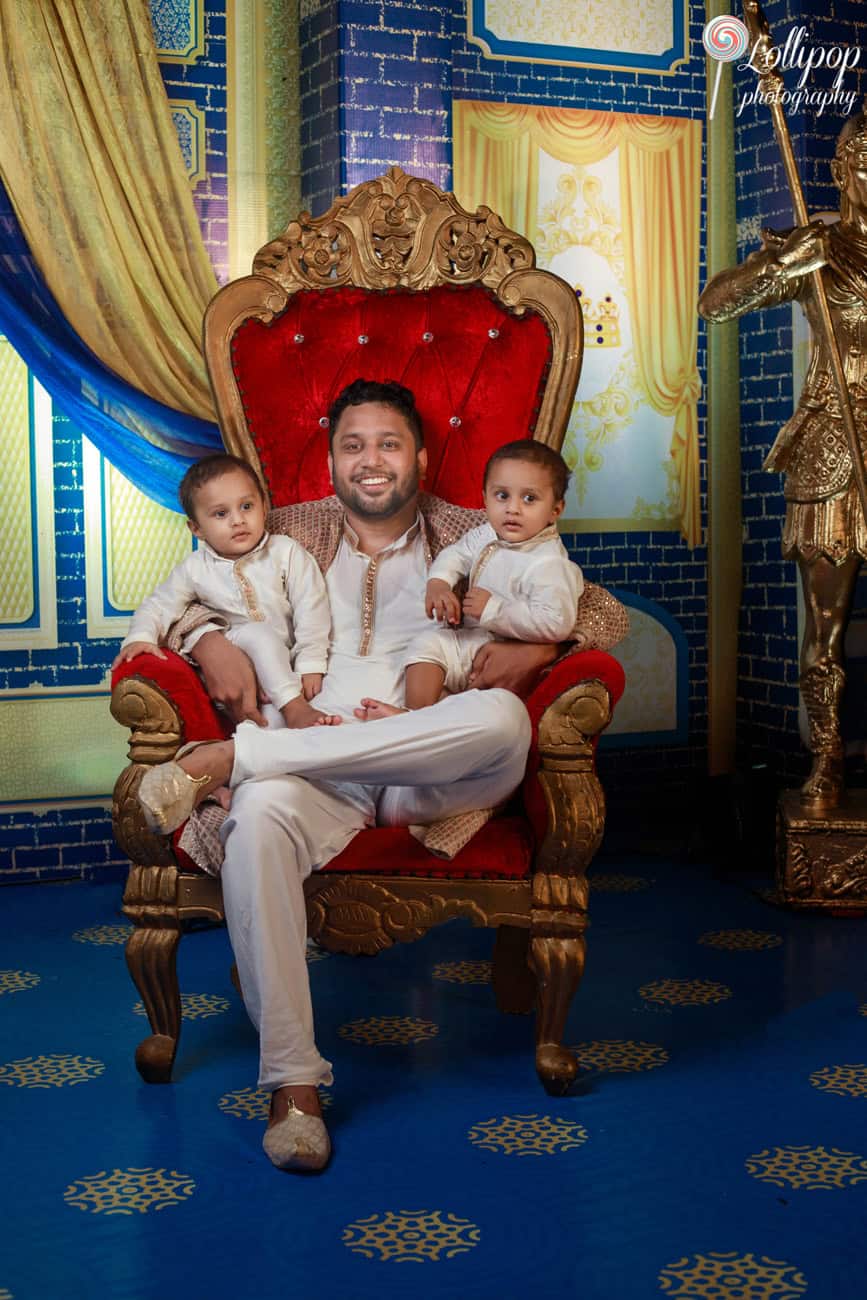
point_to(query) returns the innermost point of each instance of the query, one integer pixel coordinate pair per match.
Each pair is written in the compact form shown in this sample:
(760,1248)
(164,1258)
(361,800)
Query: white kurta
(534,589)
(272,602)
(300,796)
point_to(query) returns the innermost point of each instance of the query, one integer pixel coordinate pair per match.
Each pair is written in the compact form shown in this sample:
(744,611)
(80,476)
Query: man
(466,753)
(824,527)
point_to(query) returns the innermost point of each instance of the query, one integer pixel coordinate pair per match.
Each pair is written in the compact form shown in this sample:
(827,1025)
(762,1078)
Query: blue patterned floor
(718,1147)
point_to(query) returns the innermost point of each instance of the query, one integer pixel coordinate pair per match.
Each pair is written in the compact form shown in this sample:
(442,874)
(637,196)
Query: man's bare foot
(214,761)
(373,710)
(305,1097)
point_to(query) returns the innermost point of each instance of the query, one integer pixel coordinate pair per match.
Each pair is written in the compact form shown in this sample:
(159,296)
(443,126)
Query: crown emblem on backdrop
(601,322)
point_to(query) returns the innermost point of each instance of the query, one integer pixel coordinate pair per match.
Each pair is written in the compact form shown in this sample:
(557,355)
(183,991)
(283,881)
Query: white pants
(466,752)
(453,649)
(271,657)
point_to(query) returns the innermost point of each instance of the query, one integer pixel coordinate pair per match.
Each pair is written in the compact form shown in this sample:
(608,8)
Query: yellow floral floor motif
(411,1236)
(845,1080)
(103,934)
(617,1055)
(254,1103)
(614,882)
(811,1168)
(15,981)
(129,1191)
(388,1030)
(862,1010)
(724,1275)
(741,940)
(195,1006)
(685,993)
(528,1135)
(50,1071)
(463,972)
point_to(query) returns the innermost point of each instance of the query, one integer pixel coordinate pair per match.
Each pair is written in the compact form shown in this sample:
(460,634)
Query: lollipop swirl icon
(725,39)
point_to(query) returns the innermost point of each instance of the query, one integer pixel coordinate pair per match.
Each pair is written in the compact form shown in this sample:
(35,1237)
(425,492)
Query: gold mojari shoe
(168,794)
(299,1141)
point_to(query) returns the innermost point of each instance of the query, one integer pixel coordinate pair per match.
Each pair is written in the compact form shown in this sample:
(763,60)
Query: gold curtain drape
(496,162)
(90,158)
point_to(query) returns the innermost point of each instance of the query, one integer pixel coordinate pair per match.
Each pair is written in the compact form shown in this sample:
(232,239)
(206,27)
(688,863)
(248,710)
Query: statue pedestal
(822,855)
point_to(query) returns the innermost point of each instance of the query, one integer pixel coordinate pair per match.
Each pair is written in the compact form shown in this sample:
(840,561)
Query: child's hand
(311,684)
(475,601)
(441,602)
(136,648)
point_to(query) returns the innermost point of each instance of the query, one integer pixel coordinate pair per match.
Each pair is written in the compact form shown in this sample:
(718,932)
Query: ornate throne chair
(396,280)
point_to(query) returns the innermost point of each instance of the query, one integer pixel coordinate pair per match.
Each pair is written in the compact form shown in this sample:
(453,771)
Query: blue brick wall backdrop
(768,669)
(78,841)
(382,74)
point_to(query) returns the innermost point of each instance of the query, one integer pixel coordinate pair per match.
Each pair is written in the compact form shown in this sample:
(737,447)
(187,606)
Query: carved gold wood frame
(395,232)
(541,920)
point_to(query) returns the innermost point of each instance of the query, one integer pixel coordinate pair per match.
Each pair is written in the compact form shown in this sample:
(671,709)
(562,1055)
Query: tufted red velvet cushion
(290,370)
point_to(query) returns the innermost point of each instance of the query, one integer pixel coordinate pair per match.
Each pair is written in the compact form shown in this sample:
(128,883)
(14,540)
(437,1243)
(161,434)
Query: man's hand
(311,684)
(512,665)
(229,677)
(136,648)
(441,602)
(475,601)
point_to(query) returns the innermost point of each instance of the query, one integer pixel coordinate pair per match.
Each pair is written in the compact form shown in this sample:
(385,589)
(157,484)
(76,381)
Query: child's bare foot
(329,720)
(373,710)
(223,796)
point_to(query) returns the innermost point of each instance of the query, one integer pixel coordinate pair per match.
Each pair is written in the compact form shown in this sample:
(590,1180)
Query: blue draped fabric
(150,443)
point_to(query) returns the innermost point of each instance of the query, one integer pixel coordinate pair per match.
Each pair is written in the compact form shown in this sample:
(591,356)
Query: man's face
(373,462)
(850,174)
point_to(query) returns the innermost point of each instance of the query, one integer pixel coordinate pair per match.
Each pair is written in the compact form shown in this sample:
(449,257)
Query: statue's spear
(771,83)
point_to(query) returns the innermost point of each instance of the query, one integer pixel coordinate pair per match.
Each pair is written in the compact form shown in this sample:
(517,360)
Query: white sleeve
(162,607)
(455,562)
(545,607)
(311,613)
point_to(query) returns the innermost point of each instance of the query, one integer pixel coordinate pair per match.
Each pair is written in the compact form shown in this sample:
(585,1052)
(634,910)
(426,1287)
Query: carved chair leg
(559,965)
(514,982)
(150,901)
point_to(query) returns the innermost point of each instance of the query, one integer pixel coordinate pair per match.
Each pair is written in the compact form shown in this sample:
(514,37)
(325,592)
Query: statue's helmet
(854,131)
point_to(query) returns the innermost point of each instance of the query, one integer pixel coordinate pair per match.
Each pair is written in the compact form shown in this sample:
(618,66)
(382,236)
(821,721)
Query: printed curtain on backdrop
(105,277)
(497,157)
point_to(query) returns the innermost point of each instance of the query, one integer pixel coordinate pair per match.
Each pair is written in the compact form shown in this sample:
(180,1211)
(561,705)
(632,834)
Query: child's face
(230,514)
(519,500)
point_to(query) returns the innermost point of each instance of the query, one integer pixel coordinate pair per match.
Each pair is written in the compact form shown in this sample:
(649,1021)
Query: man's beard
(384,507)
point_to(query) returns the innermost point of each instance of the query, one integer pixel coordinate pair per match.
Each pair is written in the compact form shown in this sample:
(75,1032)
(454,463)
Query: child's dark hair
(206,469)
(534,453)
(386,393)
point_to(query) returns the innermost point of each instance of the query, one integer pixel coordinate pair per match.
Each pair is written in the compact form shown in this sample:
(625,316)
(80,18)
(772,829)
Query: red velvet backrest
(478,373)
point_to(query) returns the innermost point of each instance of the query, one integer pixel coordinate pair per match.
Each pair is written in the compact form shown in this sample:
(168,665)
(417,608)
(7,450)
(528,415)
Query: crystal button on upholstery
(363,338)
(455,421)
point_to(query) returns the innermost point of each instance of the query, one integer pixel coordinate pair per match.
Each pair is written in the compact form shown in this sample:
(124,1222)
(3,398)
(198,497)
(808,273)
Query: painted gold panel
(620,26)
(58,748)
(17,595)
(143,541)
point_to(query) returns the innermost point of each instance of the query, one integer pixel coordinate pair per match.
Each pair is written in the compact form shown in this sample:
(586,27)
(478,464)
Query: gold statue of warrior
(824,529)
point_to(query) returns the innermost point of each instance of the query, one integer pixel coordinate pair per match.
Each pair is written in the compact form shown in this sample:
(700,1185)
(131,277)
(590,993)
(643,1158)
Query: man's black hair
(385,393)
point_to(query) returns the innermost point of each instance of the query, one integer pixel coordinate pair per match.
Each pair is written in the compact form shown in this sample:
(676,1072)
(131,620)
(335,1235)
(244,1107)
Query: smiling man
(300,795)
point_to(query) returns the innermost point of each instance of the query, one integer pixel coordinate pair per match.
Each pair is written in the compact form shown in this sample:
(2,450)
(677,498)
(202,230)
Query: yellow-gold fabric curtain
(496,163)
(90,158)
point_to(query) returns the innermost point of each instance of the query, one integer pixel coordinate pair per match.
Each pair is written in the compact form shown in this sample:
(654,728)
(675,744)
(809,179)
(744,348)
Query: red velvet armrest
(181,683)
